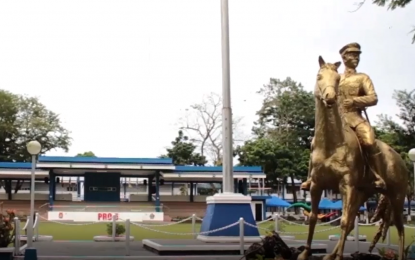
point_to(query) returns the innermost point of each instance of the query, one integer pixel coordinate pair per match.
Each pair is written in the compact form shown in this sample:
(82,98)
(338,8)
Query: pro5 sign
(107,216)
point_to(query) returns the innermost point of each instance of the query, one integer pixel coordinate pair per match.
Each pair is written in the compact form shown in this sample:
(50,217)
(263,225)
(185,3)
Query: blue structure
(102,175)
(274,201)
(102,183)
(326,204)
(339,205)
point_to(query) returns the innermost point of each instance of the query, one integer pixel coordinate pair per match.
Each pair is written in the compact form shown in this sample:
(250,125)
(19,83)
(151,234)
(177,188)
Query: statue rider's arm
(369,98)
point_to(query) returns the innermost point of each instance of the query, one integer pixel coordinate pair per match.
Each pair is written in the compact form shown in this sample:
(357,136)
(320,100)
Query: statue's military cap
(351,47)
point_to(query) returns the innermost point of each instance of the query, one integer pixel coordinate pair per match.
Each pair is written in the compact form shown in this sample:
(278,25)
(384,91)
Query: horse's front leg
(315,193)
(351,204)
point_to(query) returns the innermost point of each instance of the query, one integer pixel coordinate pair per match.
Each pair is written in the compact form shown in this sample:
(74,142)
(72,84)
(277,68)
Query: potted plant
(7,234)
(119,229)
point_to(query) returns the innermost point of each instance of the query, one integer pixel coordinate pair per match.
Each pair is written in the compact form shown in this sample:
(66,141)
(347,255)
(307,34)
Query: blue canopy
(277,202)
(325,204)
(339,205)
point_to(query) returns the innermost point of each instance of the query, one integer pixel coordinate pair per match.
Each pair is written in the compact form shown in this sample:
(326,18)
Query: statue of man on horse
(345,155)
(356,93)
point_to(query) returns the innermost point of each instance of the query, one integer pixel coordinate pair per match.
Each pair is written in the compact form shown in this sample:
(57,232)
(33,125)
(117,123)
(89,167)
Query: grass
(87,232)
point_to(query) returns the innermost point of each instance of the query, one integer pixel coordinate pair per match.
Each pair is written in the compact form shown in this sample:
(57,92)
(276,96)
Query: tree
(23,119)
(263,152)
(183,152)
(287,117)
(203,123)
(287,113)
(400,137)
(86,154)
(392,5)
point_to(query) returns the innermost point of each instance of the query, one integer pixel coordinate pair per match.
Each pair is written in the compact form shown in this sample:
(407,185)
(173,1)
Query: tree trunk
(294,192)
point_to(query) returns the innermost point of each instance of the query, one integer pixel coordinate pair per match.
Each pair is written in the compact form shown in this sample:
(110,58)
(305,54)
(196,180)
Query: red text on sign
(107,216)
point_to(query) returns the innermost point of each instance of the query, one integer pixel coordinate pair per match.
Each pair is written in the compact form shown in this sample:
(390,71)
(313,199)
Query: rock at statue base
(273,247)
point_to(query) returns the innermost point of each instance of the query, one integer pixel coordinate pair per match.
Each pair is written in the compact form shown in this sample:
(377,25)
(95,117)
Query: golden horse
(338,163)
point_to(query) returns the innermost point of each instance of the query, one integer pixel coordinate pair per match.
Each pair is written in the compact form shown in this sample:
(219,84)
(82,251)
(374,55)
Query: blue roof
(274,201)
(339,205)
(14,165)
(79,159)
(250,169)
(326,204)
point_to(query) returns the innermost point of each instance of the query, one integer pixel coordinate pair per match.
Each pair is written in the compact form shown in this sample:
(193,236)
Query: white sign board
(105,216)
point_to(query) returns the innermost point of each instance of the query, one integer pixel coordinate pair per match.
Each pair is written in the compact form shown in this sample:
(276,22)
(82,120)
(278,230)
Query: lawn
(87,232)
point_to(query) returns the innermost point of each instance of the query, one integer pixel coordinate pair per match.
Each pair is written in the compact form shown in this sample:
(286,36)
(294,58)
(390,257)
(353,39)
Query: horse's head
(327,82)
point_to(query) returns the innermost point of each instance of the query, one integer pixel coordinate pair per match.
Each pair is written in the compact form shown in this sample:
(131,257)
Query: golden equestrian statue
(358,93)
(338,161)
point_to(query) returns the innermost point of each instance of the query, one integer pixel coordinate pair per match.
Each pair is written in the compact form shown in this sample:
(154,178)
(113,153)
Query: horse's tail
(384,212)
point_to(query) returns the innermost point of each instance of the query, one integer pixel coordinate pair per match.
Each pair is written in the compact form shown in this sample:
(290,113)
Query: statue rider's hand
(348,103)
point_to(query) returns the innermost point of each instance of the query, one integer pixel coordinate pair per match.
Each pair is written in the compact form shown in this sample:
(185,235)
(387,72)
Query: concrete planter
(109,239)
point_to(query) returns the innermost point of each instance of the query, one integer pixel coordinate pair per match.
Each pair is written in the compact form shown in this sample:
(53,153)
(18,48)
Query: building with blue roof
(98,179)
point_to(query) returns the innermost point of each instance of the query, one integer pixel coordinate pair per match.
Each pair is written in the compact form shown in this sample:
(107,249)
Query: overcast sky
(120,73)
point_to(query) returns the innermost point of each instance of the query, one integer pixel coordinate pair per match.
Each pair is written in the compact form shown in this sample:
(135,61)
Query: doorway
(258,212)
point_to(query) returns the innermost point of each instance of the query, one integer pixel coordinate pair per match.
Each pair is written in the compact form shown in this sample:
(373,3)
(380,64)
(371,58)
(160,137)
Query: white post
(37,222)
(17,236)
(114,226)
(356,233)
(32,204)
(127,237)
(194,226)
(241,236)
(276,222)
(227,141)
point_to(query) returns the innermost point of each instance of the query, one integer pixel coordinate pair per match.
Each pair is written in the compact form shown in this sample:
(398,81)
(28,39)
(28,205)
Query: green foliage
(7,229)
(23,119)
(392,4)
(183,152)
(119,229)
(283,132)
(287,113)
(400,136)
(86,154)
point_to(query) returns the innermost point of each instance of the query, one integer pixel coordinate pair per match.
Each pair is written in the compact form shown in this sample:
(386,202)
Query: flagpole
(227,143)
(227,207)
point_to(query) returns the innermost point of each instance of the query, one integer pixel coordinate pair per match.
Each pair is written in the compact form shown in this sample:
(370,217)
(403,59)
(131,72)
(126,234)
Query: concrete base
(195,247)
(109,239)
(362,238)
(224,209)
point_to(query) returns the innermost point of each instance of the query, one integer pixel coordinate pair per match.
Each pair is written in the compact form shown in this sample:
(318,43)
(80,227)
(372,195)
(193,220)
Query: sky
(121,73)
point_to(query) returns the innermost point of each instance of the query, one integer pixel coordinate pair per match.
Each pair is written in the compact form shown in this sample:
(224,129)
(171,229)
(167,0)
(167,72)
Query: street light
(33,147)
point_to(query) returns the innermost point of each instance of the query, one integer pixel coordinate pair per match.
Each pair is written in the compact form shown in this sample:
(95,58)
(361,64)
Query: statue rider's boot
(377,164)
(306,185)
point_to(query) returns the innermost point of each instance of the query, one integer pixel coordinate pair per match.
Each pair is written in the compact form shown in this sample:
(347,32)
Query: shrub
(119,229)
(7,229)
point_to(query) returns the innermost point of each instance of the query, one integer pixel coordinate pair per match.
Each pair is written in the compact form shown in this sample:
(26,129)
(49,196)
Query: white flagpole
(227,161)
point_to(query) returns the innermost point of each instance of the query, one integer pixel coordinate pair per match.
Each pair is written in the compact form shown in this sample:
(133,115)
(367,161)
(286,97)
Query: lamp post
(411,155)
(33,147)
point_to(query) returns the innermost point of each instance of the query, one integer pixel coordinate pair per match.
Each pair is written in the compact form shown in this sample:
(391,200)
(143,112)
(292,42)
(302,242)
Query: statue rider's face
(351,59)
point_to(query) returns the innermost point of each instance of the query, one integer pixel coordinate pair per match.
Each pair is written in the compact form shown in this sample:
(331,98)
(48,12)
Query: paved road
(111,251)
